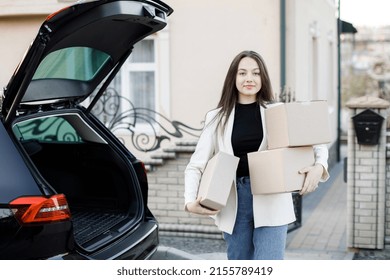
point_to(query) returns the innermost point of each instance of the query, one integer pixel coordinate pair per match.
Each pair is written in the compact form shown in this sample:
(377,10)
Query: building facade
(177,74)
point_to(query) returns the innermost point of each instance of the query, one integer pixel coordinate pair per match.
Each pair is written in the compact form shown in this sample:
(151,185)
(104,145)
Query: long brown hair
(229,94)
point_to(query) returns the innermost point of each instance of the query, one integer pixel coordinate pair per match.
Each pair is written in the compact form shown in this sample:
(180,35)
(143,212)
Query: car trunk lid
(68,59)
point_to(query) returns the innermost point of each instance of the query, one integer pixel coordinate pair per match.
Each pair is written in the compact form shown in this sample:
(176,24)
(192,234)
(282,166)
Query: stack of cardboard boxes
(292,129)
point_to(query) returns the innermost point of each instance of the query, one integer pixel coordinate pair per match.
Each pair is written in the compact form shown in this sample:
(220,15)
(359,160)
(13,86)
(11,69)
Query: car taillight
(143,167)
(39,209)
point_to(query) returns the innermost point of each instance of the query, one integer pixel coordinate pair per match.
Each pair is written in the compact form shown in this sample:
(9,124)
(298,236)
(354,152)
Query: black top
(247,134)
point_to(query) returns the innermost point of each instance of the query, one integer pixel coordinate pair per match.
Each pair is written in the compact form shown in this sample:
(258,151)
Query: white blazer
(268,210)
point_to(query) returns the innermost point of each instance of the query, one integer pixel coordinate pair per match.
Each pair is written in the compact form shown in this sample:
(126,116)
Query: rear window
(51,129)
(75,63)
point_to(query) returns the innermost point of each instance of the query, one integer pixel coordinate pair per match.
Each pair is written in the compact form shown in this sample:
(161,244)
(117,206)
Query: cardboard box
(297,124)
(217,180)
(276,171)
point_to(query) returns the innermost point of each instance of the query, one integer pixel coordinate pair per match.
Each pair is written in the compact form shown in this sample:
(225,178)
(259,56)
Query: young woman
(254,226)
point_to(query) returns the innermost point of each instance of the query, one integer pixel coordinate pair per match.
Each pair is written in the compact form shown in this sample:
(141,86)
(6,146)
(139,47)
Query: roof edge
(31,10)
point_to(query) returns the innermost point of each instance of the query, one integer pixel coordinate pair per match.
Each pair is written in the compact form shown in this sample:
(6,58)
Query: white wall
(312,52)
(204,38)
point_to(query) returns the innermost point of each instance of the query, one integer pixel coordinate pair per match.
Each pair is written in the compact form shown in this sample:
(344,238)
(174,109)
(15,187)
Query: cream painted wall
(16,34)
(31,7)
(204,37)
(19,24)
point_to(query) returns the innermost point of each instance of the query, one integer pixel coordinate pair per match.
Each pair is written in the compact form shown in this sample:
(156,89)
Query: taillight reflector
(49,17)
(38,209)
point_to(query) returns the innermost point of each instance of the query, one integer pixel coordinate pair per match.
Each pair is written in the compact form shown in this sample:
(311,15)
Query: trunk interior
(95,180)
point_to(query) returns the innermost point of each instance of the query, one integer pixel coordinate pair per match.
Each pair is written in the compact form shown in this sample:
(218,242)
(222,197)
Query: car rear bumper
(140,244)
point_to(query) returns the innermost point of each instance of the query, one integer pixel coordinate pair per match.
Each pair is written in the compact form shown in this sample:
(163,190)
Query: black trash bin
(368,127)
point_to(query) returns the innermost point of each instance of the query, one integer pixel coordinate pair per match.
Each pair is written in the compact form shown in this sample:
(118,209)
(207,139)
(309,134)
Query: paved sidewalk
(322,235)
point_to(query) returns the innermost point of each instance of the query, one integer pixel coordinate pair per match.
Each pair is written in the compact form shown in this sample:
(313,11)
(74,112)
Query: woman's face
(248,81)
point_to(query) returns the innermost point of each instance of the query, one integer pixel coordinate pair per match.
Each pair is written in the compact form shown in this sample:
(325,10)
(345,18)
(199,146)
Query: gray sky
(365,12)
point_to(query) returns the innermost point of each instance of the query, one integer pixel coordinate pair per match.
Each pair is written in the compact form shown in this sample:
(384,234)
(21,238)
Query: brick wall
(368,189)
(166,196)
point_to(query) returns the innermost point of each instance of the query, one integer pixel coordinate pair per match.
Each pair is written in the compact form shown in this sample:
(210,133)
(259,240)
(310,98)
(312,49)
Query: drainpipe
(282,44)
(338,84)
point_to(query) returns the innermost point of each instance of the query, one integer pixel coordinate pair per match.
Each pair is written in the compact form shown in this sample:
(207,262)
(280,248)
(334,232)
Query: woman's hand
(196,208)
(312,178)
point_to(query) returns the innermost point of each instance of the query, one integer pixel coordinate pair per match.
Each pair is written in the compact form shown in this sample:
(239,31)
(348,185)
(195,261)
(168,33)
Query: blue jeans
(247,242)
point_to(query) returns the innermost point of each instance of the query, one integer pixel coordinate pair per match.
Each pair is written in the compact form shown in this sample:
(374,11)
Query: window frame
(160,67)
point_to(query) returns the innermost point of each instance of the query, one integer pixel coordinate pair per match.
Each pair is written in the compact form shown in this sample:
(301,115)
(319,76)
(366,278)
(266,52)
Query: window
(138,80)
(140,91)
(76,63)
(314,69)
(51,129)
(330,79)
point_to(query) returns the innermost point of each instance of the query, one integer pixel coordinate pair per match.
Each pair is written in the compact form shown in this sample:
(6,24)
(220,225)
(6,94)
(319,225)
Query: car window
(75,63)
(50,129)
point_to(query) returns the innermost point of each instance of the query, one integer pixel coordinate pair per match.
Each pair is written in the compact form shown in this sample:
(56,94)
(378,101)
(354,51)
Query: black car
(69,189)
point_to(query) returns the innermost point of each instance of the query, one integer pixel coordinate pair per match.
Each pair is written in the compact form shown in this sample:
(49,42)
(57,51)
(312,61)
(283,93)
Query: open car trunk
(93,176)
(74,57)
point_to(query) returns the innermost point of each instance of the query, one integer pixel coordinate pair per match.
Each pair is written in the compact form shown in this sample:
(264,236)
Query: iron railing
(119,113)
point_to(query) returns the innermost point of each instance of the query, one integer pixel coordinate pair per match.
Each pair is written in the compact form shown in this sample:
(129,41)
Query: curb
(169,253)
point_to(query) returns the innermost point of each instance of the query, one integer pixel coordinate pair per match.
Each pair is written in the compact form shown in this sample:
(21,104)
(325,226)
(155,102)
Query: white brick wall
(387,204)
(166,200)
(366,196)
